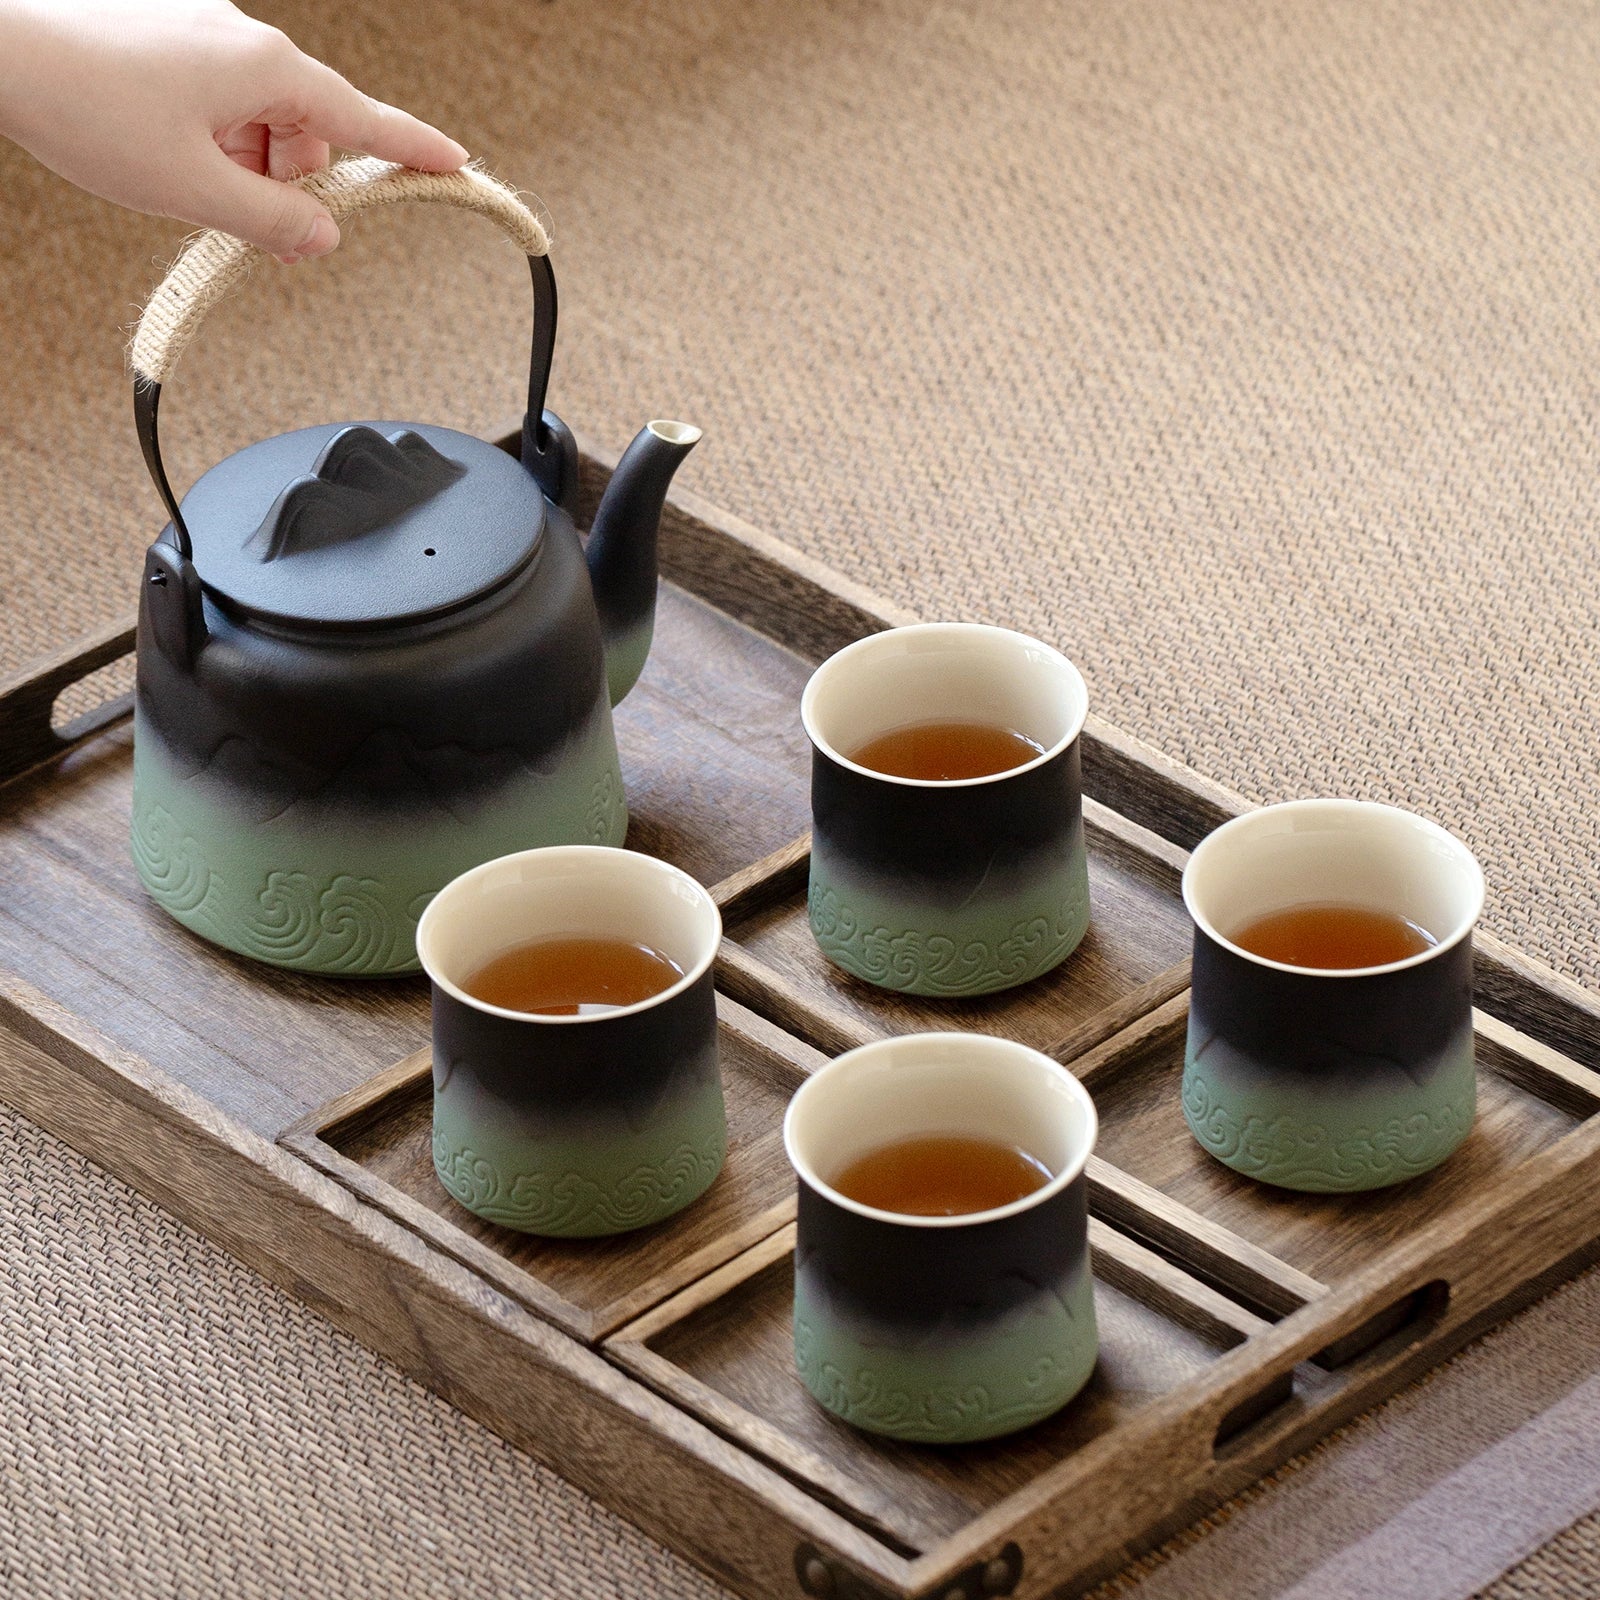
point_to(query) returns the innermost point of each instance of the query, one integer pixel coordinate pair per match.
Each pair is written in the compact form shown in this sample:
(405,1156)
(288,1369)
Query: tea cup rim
(874,641)
(550,853)
(1265,816)
(1071,1171)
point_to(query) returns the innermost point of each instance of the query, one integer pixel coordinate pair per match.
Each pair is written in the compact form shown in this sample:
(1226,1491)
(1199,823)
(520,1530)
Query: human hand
(190,109)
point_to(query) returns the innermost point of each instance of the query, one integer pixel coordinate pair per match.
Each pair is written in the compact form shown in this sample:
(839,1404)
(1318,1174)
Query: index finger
(336,111)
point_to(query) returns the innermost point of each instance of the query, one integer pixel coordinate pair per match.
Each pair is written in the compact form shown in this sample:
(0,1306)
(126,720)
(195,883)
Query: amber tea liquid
(572,977)
(943,751)
(1327,935)
(944,1176)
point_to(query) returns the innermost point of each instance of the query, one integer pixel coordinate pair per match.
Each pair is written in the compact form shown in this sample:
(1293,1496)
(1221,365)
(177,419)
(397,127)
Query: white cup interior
(943,672)
(1347,852)
(567,891)
(926,1085)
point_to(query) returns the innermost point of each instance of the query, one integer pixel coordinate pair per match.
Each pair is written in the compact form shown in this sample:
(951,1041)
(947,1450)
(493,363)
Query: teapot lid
(363,524)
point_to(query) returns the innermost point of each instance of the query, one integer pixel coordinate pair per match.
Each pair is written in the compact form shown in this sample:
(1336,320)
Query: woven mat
(1245,350)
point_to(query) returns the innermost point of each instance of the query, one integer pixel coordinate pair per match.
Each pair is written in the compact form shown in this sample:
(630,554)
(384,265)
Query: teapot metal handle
(213,264)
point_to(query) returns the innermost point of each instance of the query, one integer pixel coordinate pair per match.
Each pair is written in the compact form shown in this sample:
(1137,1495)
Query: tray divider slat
(709,1289)
(1115,1020)
(1123,1261)
(751,982)
(1125,1051)
(831,1030)
(1155,859)
(775,877)
(1212,1253)
(352,1107)
(791,1059)
(1537,1068)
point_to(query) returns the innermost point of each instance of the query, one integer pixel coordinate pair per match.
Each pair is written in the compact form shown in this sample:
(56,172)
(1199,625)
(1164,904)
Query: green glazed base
(577,1186)
(951,1391)
(1330,1143)
(300,892)
(995,943)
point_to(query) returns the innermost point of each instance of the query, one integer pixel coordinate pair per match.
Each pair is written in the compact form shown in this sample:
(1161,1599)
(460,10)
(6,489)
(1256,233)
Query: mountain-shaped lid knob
(362,524)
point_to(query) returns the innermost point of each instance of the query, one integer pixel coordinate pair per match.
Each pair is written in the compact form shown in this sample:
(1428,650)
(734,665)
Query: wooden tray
(287,1117)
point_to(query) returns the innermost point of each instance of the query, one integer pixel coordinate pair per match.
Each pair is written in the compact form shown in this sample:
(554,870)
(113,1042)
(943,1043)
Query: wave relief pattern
(570,1205)
(170,863)
(910,960)
(606,802)
(1302,1153)
(865,1399)
(344,926)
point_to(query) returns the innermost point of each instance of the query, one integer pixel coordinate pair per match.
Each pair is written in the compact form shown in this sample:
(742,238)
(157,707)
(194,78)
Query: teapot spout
(622,547)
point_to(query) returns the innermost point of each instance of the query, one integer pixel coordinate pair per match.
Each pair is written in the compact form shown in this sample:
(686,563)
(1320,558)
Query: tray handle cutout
(1391,1328)
(1379,1337)
(1241,1417)
(31,731)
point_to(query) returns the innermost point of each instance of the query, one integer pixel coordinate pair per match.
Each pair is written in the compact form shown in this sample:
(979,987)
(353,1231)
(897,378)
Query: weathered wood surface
(1325,1237)
(1489,1255)
(731,1359)
(715,780)
(1139,935)
(378,1141)
(431,1316)
(165,1060)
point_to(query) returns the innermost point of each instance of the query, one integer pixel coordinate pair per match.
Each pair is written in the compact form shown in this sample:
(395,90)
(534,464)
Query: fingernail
(462,154)
(323,237)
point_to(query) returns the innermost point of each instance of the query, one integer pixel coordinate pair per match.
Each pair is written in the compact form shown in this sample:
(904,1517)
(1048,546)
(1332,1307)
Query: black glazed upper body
(906,1275)
(620,1068)
(943,840)
(1353,1028)
(394,707)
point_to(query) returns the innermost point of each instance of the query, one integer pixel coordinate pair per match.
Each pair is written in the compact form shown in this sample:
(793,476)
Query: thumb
(279,217)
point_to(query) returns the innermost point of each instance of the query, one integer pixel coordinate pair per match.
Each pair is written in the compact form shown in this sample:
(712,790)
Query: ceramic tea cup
(574,1125)
(1340,1078)
(947,886)
(942,1328)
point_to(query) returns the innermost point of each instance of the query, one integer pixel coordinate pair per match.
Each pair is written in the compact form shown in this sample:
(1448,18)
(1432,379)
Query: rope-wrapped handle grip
(212,265)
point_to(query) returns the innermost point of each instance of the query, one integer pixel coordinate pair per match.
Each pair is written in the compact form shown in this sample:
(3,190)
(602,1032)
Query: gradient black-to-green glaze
(941,1335)
(322,886)
(1329,1084)
(303,791)
(948,889)
(578,1128)
(299,794)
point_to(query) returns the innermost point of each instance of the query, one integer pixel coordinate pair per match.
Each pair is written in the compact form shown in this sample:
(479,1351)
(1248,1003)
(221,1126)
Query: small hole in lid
(430,551)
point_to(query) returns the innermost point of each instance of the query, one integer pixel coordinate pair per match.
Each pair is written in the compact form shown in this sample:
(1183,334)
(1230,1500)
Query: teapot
(374,654)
